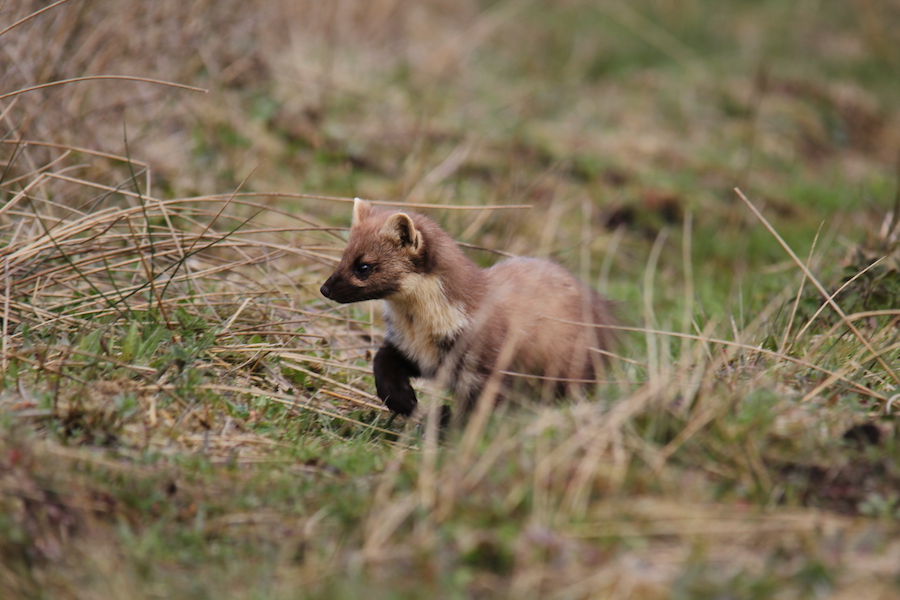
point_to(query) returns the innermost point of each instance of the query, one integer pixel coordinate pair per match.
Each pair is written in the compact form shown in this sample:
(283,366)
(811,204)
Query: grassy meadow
(182,415)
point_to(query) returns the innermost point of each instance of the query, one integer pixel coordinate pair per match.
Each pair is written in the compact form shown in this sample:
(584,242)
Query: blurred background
(628,116)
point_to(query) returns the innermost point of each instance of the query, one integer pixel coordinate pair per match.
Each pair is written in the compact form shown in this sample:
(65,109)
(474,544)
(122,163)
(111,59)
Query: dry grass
(112,282)
(182,414)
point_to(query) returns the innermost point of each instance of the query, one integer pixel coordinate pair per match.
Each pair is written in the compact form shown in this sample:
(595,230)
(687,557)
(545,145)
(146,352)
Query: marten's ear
(400,228)
(361,210)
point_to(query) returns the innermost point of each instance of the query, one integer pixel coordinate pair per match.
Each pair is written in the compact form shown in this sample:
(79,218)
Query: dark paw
(399,397)
(392,371)
(446,418)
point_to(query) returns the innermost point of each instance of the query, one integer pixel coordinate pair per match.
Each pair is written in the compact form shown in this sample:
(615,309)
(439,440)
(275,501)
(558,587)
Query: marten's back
(535,318)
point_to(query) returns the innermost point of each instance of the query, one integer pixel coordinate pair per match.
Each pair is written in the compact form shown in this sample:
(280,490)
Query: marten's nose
(326,291)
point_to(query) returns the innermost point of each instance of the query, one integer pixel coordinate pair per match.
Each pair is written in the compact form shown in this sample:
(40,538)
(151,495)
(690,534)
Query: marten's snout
(328,287)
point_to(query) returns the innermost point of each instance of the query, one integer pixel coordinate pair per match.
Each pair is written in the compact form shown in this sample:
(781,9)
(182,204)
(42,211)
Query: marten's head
(383,249)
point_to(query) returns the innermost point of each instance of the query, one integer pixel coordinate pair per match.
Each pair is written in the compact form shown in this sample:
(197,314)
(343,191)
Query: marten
(447,318)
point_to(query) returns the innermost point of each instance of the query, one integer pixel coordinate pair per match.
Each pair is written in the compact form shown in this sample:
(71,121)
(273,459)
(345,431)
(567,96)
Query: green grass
(182,415)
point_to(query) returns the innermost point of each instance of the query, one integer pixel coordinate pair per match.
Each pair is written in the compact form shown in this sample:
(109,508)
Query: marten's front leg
(392,374)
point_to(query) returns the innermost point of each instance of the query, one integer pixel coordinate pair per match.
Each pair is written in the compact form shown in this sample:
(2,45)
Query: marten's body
(448,318)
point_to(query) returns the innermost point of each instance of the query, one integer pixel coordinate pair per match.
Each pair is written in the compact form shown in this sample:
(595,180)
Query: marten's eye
(362,270)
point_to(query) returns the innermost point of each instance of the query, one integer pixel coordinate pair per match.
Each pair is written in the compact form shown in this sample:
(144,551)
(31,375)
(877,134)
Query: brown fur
(449,319)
